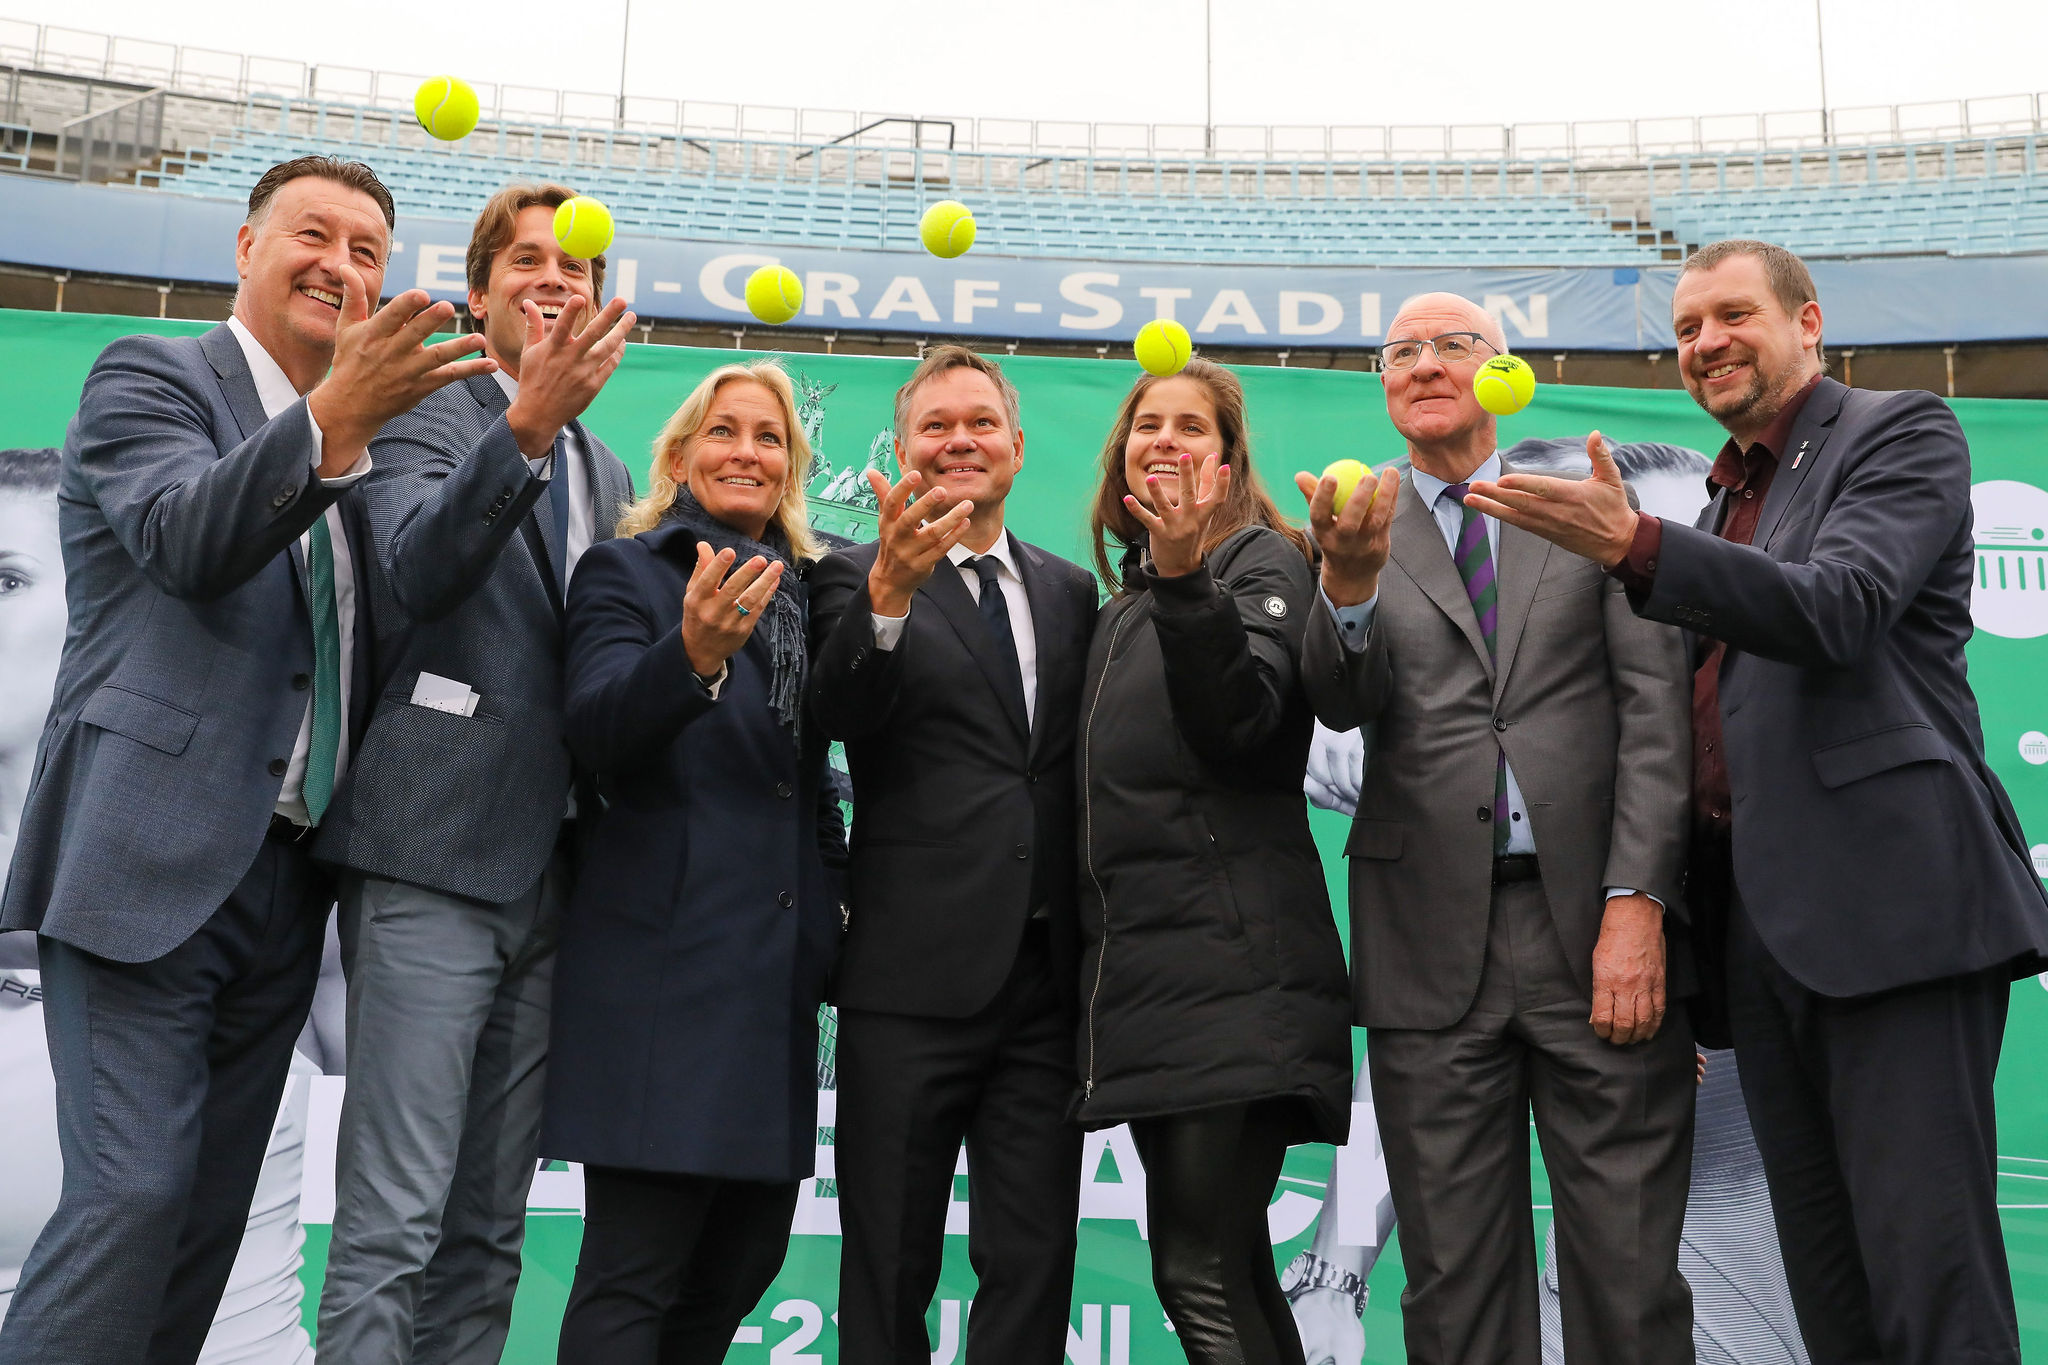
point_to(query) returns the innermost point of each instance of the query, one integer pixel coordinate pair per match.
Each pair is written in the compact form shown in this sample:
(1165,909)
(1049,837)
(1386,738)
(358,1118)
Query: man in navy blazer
(199,724)
(454,828)
(1859,881)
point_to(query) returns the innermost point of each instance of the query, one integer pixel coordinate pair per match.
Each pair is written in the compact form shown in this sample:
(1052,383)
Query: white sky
(1276,61)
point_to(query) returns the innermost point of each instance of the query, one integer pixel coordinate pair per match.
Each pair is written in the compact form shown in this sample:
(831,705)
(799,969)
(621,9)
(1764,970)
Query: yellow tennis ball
(1504,385)
(774,294)
(947,229)
(1163,347)
(446,107)
(584,227)
(1347,473)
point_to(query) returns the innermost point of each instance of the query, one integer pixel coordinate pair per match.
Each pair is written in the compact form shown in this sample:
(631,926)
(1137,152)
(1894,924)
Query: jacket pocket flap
(1851,759)
(145,720)
(1375,839)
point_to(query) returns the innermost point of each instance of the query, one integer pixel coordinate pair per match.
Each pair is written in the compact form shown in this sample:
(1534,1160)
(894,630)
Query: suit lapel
(1048,621)
(538,530)
(1802,452)
(957,605)
(1418,547)
(1522,560)
(223,351)
(601,476)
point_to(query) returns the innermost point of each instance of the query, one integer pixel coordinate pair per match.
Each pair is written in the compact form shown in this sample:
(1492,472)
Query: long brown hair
(1245,504)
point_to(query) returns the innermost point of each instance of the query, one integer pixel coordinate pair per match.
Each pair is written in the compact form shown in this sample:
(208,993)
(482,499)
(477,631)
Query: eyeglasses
(1452,348)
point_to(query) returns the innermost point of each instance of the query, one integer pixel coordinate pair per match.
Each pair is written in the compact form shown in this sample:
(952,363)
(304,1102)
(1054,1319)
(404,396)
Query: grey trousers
(440,1128)
(1616,1128)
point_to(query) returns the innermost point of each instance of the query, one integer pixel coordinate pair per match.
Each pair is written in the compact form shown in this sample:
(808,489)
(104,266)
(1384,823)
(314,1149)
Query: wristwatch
(1310,1271)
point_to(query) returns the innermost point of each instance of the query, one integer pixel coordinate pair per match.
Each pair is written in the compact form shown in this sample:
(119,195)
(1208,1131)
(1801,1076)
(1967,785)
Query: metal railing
(237,76)
(113,141)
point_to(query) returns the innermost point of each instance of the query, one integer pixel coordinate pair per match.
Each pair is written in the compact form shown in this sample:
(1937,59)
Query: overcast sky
(1276,61)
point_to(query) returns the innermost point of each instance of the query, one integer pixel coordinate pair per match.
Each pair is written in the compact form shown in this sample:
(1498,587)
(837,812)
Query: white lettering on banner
(711,280)
(1291,322)
(830,286)
(1085,1346)
(1119,1199)
(905,294)
(1163,300)
(1231,308)
(625,279)
(953,1317)
(1080,288)
(810,1321)
(818,1214)
(967,297)
(1534,323)
(441,269)
(1369,315)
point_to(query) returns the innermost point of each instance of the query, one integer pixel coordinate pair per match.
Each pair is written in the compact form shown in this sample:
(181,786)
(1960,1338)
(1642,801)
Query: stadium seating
(1901,200)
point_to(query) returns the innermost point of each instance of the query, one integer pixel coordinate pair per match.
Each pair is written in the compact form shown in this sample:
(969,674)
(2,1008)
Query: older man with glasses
(1515,865)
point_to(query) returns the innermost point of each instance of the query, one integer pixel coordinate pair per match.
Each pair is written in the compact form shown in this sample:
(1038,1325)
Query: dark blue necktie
(995,614)
(557,498)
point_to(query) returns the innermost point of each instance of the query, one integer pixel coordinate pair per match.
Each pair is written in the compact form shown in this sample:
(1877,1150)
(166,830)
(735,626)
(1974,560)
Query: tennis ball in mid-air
(774,293)
(584,227)
(1163,347)
(1504,385)
(947,229)
(446,107)
(1348,473)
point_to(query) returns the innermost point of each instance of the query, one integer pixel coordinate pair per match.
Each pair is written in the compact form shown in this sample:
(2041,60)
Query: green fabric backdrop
(1300,419)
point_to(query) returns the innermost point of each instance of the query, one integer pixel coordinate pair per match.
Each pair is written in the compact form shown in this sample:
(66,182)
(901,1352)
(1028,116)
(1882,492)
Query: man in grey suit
(1514,862)
(455,826)
(1864,973)
(199,724)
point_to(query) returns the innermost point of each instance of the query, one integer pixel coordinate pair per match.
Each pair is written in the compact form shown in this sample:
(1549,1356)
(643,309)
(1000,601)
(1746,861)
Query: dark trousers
(169,1075)
(910,1091)
(1616,1128)
(1209,1176)
(1875,1121)
(670,1265)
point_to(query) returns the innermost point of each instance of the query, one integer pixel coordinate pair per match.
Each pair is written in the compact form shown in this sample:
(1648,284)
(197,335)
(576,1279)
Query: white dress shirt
(582,520)
(889,629)
(1354,623)
(275,393)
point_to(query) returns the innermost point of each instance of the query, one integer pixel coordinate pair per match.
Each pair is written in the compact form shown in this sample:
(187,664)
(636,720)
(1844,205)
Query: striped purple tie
(1474,555)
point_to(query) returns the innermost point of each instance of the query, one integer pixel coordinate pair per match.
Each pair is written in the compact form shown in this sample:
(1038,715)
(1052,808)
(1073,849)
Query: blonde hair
(792,514)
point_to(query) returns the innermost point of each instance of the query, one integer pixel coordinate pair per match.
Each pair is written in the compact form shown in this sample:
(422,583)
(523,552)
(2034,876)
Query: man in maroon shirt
(1858,870)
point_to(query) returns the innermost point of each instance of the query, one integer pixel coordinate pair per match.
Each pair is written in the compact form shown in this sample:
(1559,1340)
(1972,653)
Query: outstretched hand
(1356,541)
(562,367)
(1590,517)
(913,536)
(720,610)
(1179,517)
(383,367)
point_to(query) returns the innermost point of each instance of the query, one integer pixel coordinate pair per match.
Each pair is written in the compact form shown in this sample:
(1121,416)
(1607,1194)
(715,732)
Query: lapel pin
(1801,453)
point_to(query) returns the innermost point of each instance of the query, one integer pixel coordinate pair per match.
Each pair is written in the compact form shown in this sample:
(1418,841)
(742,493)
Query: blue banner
(149,234)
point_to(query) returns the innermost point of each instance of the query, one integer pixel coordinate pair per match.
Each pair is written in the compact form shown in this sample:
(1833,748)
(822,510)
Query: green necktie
(326,744)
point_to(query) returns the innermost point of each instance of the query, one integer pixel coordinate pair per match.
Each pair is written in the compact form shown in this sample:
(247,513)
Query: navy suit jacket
(466,805)
(182,684)
(1874,847)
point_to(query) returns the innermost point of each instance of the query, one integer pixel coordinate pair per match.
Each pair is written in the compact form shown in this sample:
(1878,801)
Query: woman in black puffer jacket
(1215,1009)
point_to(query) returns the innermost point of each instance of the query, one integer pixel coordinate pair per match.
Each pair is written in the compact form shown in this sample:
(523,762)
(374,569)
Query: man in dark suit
(201,720)
(1515,865)
(949,657)
(455,826)
(1864,971)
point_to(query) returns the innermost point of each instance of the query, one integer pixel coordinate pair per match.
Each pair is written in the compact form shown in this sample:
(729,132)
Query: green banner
(1301,419)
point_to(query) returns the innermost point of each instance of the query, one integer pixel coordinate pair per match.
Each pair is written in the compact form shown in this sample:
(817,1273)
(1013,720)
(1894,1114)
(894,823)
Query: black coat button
(300,682)
(1031,778)
(1499,724)
(785,900)
(784,790)
(279,766)
(1485,814)
(1023,851)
